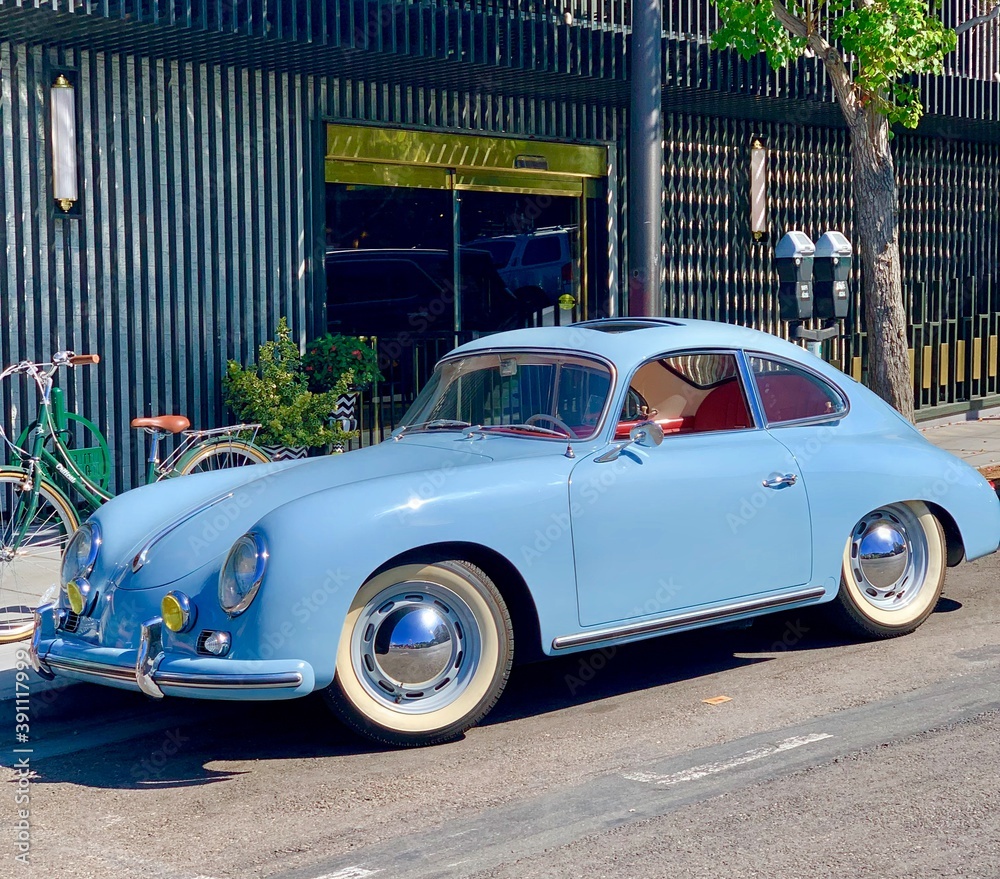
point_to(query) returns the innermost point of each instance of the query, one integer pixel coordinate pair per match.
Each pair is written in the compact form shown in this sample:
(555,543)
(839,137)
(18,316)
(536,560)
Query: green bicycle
(37,514)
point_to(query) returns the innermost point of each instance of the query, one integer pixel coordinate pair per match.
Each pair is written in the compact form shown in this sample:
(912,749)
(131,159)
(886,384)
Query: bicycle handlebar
(84,359)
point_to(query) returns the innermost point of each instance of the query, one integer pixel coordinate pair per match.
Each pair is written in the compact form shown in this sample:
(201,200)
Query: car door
(714,514)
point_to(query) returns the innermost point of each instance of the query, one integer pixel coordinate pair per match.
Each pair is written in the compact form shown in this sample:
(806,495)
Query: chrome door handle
(776,480)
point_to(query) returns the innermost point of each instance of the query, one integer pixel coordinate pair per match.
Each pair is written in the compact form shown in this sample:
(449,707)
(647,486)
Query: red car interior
(723,409)
(788,397)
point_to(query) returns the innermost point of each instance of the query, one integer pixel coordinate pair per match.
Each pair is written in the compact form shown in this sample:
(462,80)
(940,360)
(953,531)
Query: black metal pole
(645,231)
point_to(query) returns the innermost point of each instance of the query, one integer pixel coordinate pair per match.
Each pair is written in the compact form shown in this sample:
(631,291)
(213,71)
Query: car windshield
(549,395)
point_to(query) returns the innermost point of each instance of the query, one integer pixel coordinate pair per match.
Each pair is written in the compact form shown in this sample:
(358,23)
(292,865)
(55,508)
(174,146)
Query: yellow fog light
(76,593)
(176,611)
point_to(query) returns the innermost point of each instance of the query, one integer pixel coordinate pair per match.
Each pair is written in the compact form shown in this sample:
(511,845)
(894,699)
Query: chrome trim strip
(750,389)
(96,669)
(139,559)
(277,680)
(677,621)
(274,681)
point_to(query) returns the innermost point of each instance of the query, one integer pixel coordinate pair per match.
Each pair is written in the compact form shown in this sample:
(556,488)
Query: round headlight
(81,552)
(242,573)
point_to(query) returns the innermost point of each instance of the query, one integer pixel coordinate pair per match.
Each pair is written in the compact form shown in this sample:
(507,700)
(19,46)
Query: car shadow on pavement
(554,684)
(99,737)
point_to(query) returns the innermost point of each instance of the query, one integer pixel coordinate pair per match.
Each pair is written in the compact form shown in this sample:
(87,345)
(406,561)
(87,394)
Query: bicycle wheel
(30,565)
(221,454)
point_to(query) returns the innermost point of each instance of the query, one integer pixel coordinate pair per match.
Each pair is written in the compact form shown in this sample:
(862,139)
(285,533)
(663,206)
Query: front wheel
(893,572)
(424,654)
(221,455)
(34,531)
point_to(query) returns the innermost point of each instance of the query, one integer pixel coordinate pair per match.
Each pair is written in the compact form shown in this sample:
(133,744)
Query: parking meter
(832,270)
(793,257)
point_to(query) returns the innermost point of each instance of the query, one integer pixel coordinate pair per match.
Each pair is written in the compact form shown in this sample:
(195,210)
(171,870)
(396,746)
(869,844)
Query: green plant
(332,357)
(275,392)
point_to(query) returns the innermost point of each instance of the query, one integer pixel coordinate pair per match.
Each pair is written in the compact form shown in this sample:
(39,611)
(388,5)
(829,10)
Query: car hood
(201,530)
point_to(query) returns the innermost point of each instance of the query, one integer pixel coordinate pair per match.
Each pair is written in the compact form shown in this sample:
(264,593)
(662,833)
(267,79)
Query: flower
(330,358)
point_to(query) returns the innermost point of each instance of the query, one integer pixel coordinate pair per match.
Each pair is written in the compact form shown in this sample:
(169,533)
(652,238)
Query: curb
(35,684)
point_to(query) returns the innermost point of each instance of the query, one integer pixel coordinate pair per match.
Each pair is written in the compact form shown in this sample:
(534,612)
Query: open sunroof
(626,324)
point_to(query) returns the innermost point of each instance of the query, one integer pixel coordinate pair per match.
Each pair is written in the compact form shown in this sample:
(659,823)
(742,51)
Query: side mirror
(648,434)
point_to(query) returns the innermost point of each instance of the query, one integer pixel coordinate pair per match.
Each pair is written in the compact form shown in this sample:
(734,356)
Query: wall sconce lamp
(64,172)
(758,190)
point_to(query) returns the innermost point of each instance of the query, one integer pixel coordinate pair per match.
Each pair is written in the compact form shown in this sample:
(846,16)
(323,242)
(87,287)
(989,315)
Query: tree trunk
(877,236)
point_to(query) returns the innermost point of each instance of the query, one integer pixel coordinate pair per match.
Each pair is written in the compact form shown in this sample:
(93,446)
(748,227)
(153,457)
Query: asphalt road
(831,758)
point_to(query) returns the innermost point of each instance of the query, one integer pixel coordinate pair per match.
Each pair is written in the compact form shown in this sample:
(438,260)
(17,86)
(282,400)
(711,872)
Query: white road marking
(349,873)
(697,772)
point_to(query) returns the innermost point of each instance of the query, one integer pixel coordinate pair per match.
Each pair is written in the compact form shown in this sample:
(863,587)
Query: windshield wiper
(527,428)
(435,424)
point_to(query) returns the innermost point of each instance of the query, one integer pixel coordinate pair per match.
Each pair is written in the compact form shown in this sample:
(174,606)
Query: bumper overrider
(156,672)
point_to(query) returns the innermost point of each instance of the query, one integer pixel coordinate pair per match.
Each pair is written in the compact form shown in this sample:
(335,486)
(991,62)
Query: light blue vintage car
(508,511)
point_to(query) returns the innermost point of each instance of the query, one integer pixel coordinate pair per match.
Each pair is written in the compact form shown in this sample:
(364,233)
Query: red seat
(681,424)
(723,409)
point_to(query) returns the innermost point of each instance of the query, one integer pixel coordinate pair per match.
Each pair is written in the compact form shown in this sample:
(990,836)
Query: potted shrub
(275,392)
(331,360)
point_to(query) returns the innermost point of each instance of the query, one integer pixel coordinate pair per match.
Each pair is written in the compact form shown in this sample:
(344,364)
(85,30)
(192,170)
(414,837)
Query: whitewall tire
(893,571)
(424,654)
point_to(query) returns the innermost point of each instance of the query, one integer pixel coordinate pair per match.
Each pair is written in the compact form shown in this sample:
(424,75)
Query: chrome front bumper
(154,672)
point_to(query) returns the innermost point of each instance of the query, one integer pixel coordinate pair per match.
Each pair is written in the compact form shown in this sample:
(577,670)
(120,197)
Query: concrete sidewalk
(975,441)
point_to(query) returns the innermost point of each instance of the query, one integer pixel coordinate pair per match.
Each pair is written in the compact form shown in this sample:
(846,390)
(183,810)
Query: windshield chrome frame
(555,352)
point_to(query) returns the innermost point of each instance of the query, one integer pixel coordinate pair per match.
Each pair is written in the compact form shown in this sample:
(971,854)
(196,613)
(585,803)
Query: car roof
(382,252)
(629,341)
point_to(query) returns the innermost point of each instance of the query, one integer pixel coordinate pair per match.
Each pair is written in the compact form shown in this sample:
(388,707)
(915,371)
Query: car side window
(790,394)
(687,393)
(541,250)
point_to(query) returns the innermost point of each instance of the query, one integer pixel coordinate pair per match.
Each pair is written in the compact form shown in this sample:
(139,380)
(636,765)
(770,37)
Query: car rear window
(788,393)
(499,251)
(541,250)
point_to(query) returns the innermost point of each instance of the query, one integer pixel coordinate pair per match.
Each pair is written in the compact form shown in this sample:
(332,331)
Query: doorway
(433,239)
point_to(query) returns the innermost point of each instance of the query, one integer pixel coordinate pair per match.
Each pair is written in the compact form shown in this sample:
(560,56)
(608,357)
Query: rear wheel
(424,654)
(221,455)
(893,572)
(31,547)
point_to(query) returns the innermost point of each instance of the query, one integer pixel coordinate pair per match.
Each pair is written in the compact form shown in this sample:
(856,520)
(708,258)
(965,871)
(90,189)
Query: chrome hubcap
(413,644)
(415,647)
(889,557)
(883,554)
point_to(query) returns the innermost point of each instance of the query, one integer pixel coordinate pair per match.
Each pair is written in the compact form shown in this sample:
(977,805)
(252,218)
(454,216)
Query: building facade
(229,154)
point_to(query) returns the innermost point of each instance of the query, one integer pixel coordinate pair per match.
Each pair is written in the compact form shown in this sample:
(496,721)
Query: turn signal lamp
(218,643)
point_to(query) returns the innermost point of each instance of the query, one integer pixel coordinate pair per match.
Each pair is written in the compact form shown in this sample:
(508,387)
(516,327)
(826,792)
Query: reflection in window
(560,393)
(791,394)
(541,250)
(687,393)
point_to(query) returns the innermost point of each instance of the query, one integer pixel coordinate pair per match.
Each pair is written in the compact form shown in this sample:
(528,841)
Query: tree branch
(843,85)
(978,20)
(795,26)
